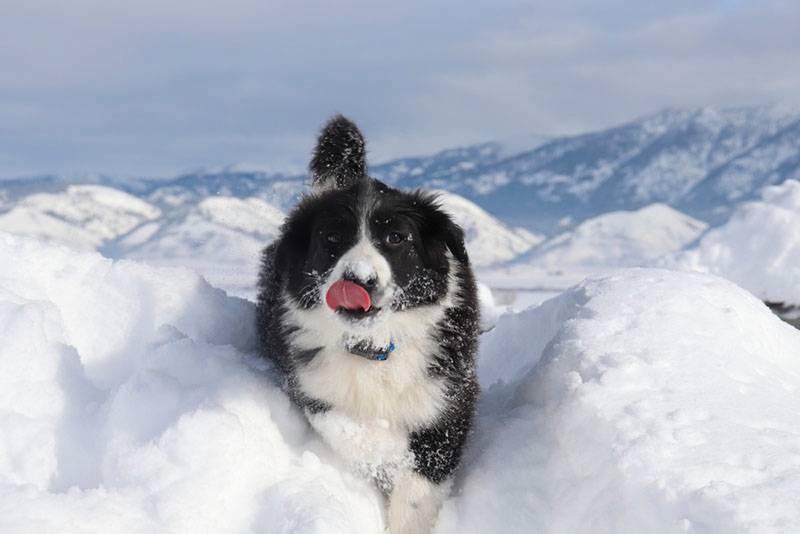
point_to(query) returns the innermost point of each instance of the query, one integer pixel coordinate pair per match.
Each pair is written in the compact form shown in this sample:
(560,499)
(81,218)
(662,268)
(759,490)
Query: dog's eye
(395,238)
(334,238)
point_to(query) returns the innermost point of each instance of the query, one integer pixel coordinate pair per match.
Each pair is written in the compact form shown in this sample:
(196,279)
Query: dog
(367,306)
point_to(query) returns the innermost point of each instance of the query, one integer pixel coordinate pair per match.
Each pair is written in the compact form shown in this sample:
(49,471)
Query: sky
(159,87)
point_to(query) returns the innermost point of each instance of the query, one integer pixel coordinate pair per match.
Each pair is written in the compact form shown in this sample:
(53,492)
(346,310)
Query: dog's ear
(292,246)
(454,239)
(441,227)
(340,158)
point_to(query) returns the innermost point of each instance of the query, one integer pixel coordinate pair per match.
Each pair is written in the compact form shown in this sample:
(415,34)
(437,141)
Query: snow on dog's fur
(385,373)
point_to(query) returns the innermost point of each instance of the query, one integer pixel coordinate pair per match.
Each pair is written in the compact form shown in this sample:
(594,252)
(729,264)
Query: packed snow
(758,248)
(643,400)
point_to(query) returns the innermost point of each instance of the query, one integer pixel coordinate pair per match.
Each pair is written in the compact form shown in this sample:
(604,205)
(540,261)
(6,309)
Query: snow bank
(130,401)
(758,248)
(644,401)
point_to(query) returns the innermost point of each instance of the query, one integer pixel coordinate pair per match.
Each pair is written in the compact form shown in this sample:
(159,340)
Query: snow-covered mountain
(698,161)
(600,244)
(220,238)
(82,216)
(617,239)
(217,228)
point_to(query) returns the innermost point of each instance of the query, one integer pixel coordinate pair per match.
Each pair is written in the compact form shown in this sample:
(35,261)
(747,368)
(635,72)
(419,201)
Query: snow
(220,237)
(609,241)
(643,401)
(758,248)
(619,238)
(131,401)
(82,216)
(488,240)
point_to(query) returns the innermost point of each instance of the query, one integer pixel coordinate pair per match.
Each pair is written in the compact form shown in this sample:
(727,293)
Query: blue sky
(157,87)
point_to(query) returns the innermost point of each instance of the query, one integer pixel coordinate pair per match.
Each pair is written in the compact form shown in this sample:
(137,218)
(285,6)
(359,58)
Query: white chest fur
(398,392)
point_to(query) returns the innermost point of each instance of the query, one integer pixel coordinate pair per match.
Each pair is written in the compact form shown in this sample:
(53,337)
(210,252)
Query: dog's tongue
(348,295)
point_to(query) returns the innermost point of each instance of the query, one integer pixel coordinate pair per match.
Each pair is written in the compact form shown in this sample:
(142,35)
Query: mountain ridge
(700,161)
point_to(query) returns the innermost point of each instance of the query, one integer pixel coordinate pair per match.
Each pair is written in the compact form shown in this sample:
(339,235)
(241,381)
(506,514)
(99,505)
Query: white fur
(375,403)
(373,448)
(415,504)
(398,389)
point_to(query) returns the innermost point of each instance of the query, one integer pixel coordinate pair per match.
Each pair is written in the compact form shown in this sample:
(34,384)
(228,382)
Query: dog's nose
(367,281)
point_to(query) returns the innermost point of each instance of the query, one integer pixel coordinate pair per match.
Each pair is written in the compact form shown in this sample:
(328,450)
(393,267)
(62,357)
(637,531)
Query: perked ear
(340,158)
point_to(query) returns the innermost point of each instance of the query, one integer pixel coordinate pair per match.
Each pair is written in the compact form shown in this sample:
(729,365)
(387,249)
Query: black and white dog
(368,307)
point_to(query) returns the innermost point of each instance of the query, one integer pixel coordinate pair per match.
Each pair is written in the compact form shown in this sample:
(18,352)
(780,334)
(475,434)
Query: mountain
(219,237)
(82,216)
(609,241)
(221,229)
(189,189)
(617,239)
(699,161)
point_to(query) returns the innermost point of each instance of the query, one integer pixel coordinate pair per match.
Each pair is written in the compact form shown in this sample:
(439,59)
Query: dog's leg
(414,504)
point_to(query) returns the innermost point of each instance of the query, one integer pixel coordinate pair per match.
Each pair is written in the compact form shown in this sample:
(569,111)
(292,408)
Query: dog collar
(365,349)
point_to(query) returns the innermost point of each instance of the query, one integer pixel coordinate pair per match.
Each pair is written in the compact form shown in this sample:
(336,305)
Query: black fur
(322,228)
(340,159)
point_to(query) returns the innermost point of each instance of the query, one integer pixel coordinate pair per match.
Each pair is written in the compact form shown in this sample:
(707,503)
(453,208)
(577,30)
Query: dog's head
(360,248)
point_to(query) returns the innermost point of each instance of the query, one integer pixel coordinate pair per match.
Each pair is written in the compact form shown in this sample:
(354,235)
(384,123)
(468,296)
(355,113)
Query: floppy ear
(340,158)
(454,239)
(440,225)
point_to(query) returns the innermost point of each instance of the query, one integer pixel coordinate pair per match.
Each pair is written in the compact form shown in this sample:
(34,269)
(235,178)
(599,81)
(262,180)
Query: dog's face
(395,246)
(364,250)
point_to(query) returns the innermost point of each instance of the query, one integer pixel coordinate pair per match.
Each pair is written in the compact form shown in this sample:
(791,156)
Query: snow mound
(618,239)
(643,401)
(758,248)
(131,401)
(487,239)
(82,216)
